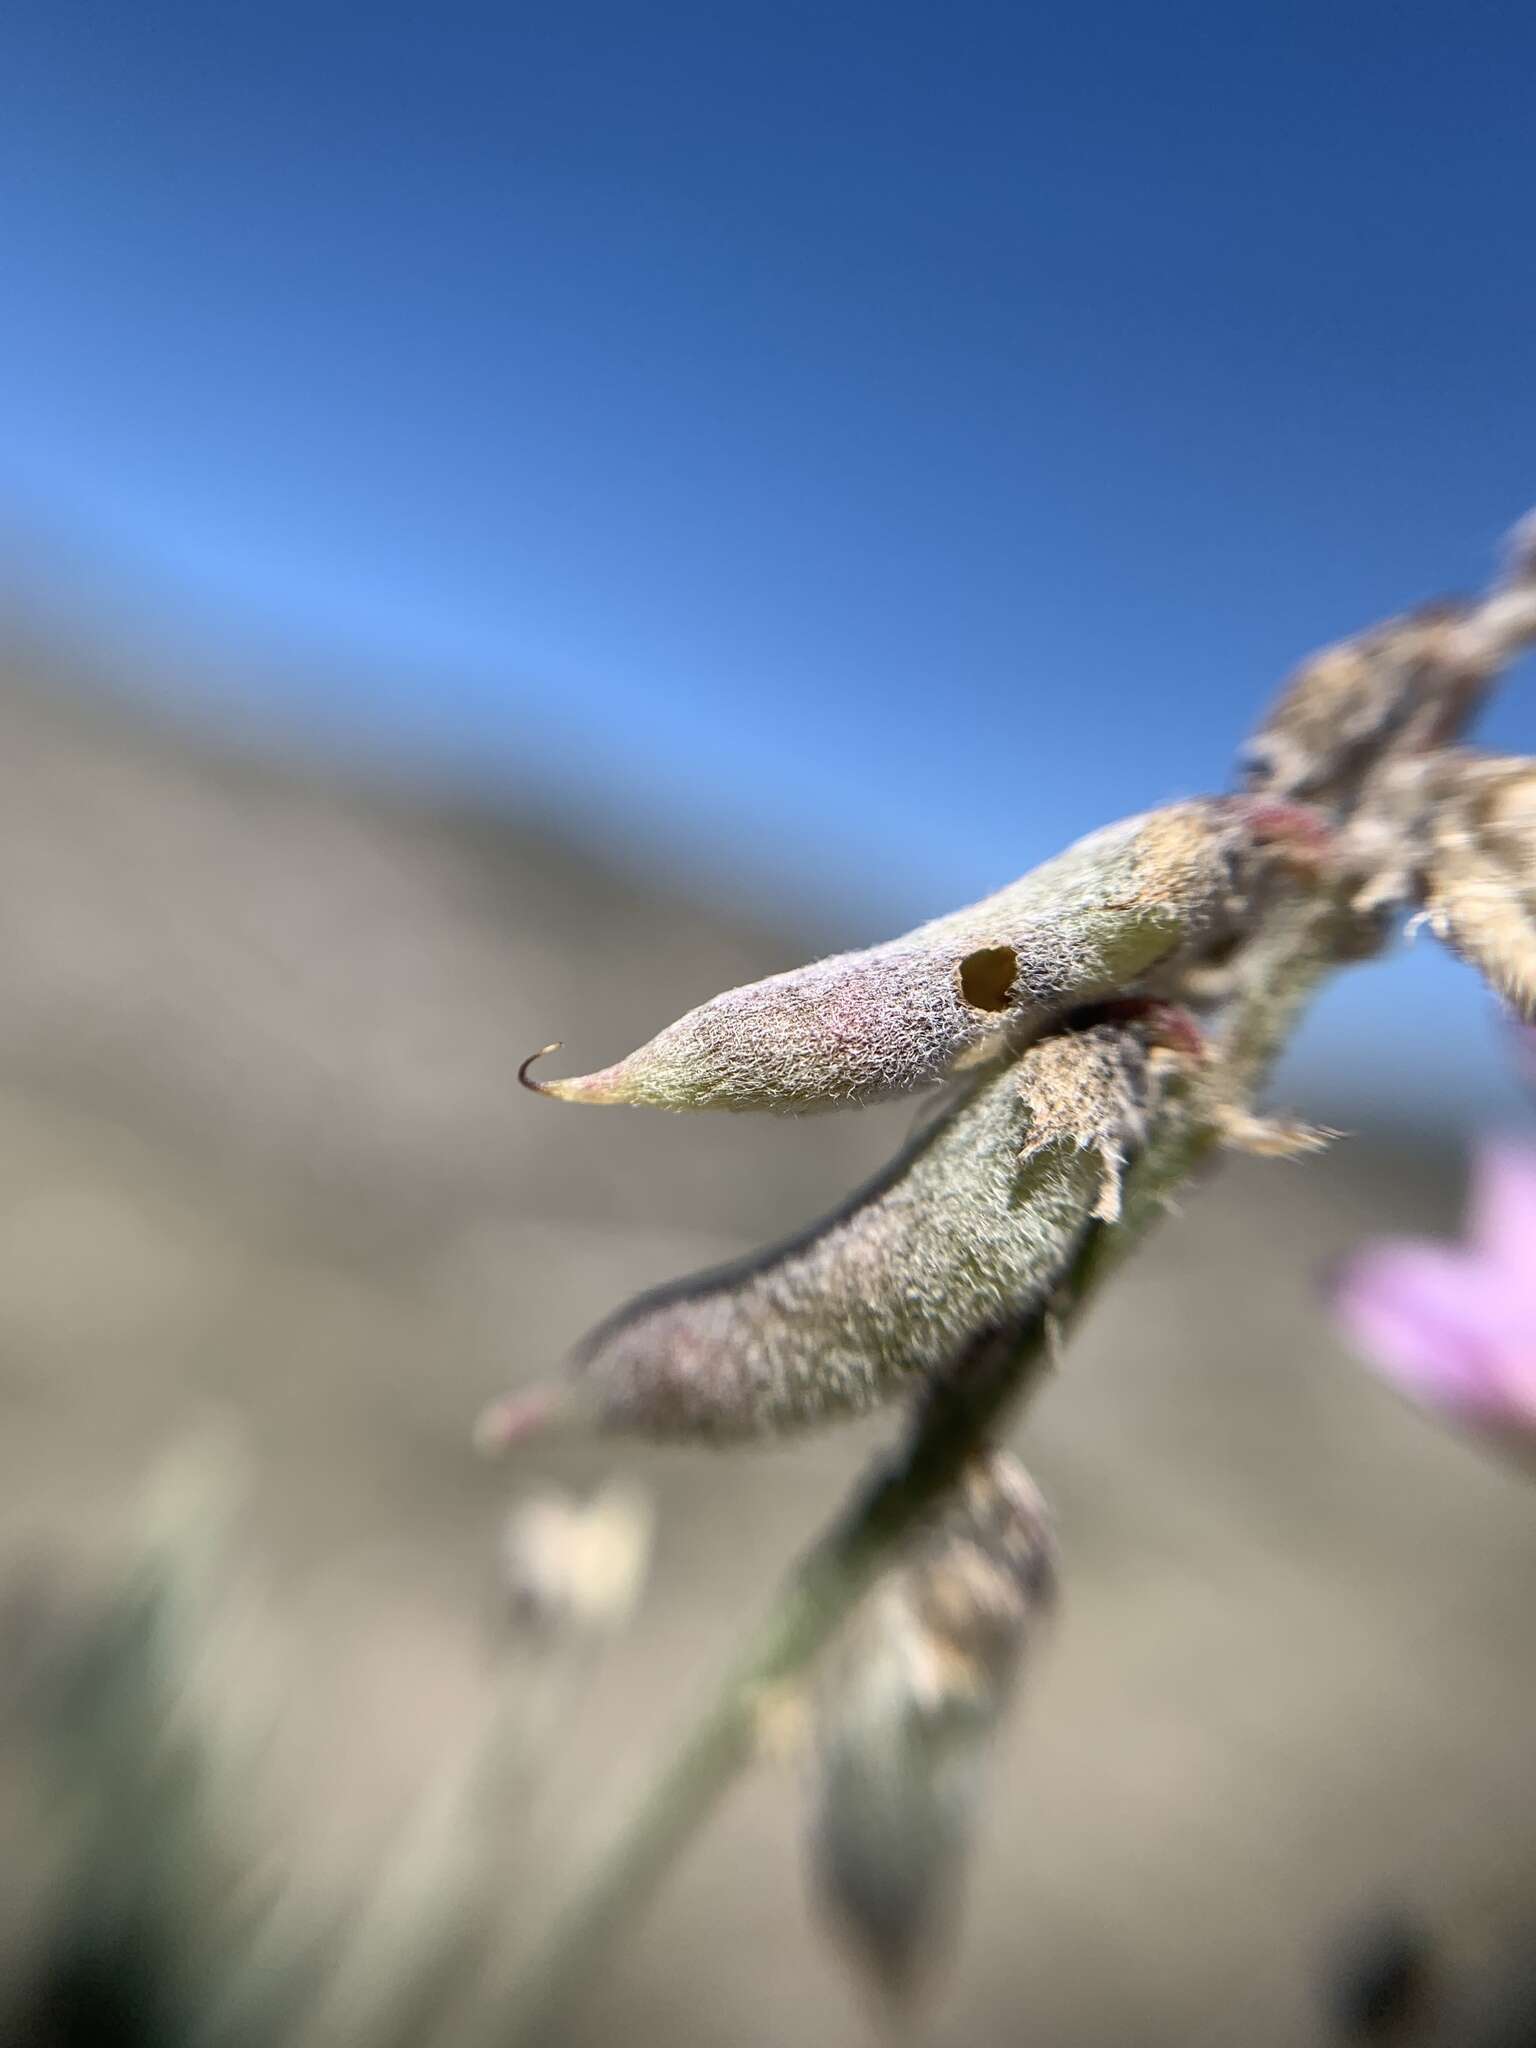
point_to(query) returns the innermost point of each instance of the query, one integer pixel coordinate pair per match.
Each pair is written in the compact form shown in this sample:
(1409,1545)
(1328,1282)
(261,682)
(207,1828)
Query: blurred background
(514,519)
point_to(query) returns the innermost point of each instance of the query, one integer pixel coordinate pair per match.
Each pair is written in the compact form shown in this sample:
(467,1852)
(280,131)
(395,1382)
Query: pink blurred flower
(1454,1326)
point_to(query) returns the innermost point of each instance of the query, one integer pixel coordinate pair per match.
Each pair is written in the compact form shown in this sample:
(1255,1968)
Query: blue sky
(842,451)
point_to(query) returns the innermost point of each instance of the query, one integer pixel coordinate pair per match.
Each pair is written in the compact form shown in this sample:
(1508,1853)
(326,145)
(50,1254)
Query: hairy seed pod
(907,1714)
(968,1230)
(861,1027)
(1480,879)
(1403,688)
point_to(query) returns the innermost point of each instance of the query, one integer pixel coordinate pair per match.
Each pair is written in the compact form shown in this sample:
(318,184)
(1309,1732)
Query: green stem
(829,1581)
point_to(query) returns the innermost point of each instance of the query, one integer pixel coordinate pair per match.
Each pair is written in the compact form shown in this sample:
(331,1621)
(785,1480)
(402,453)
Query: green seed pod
(906,1718)
(862,1027)
(1480,879)
(968,1231)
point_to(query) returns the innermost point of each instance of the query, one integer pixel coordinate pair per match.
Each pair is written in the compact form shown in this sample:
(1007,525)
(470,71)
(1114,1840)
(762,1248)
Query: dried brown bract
(1480,881)
(905,1720)
(1401,689)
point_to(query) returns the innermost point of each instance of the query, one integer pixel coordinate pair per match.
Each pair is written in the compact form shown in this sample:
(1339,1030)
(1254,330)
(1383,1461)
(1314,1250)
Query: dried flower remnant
(574,1567)
(1365,729)
(1480,884)
(860,1027)
(1403,688)
(905,1720)
(1354,714)
(968,1230)
(1454,1327)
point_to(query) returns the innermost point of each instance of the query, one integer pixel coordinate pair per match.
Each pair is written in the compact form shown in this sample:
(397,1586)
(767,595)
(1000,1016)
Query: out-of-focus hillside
(332,985)
(262,1155)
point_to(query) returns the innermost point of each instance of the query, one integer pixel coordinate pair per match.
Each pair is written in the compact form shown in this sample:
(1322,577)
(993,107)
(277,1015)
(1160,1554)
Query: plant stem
(820,1592)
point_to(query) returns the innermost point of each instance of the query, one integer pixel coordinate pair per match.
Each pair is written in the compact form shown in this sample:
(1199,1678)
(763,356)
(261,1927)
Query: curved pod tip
(604,1086)
(540,1410)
